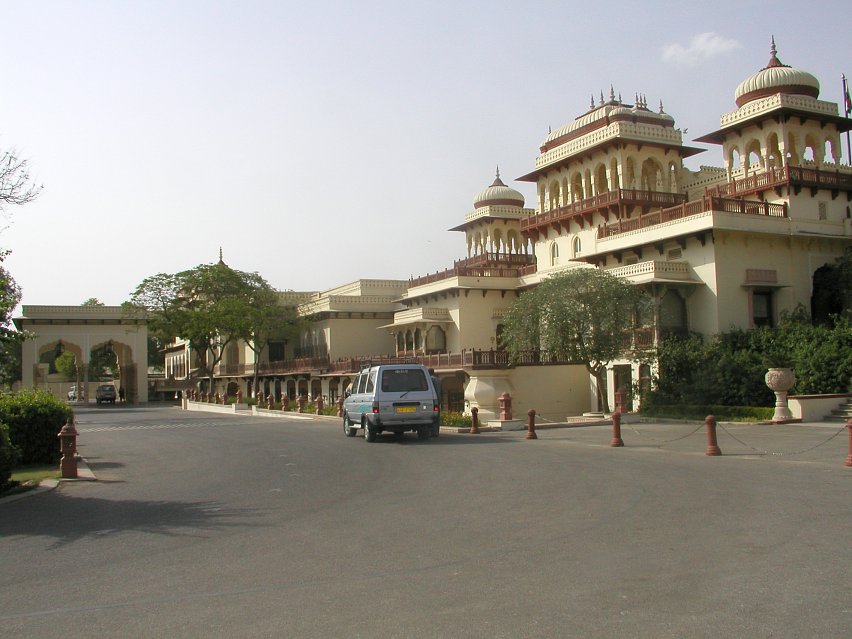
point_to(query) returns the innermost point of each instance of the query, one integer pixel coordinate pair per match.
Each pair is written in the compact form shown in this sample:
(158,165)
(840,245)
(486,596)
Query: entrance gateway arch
(80,330)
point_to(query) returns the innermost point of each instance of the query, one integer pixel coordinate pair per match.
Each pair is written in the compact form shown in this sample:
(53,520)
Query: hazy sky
(320,142)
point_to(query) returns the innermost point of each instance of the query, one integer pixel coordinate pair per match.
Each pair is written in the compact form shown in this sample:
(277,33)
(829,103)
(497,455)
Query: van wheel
(348,428)
(423,433)
(369,433)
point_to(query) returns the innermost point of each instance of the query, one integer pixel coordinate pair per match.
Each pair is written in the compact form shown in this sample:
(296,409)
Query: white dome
(498,194)
(776,78)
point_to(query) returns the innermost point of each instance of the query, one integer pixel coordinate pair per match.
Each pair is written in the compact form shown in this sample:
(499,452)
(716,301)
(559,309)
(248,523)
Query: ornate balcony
(583,211)
(745,207)
(794,178)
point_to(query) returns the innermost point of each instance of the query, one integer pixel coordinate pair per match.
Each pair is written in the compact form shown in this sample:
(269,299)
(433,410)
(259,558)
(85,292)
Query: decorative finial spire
(221,261)
(549,129)
(602,98)
(619,97)
(661,106)
(773,56)
(611,94)
(592,103)
(497,181)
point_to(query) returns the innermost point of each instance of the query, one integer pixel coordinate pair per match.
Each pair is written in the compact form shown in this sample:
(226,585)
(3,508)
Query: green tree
(92,301)
(267,320)
(584,315)
(66,365)
(16,188)
(209,306)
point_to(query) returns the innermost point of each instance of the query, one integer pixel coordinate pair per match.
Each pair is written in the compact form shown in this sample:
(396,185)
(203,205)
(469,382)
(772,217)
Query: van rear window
(404,379)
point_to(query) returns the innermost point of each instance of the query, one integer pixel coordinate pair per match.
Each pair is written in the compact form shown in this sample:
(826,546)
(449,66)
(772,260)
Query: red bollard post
(285,402)
(531,425)
(270,401)
(239,396)
(616,430)
(712,445)
(849,427)
(474,421)
(68,446)
(303,402)
(340,406)
(320,404)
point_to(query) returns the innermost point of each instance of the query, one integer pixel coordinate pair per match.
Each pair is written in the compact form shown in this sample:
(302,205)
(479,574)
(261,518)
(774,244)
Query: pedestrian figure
(121,394)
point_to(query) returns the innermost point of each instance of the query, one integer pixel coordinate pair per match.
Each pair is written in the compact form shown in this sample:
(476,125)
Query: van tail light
(436,406)
(375,408)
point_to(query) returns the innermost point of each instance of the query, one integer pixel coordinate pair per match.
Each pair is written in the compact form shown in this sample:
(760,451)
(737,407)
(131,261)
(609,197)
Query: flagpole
(847,107)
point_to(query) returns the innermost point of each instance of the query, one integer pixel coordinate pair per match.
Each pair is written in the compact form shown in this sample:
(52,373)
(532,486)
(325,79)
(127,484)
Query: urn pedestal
(779,381)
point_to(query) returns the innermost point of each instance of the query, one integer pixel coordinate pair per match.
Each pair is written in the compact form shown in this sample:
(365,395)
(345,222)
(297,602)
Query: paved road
(225,526)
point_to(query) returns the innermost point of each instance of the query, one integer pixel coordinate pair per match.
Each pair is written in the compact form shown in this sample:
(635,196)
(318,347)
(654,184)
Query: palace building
(715,249)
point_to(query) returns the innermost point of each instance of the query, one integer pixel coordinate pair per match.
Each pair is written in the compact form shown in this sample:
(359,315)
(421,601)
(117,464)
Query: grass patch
(700,412)
(29,477)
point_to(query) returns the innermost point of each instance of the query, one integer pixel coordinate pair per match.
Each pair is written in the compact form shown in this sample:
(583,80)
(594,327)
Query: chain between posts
(668,441)
(781,454)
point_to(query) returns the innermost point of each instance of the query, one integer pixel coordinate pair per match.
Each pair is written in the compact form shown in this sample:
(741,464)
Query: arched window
(554,254)
(576,246)
(436,340)
(601,183)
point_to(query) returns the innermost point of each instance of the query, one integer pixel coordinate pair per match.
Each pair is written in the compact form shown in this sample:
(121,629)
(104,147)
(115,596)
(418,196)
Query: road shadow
(68,518)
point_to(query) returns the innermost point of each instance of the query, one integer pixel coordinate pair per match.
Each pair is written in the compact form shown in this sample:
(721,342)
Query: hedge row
(701,411)
(34,418)
(8,457)
(728,369)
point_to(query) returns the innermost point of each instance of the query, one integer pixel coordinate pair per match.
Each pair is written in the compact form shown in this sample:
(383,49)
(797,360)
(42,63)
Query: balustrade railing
(610,198)
(782,176)
(707,203)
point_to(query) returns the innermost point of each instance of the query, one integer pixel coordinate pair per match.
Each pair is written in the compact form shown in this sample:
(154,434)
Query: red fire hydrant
(505,401)
(320,403)
(68,447)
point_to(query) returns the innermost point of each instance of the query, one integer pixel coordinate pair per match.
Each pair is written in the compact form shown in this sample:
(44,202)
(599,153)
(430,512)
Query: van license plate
(406,409)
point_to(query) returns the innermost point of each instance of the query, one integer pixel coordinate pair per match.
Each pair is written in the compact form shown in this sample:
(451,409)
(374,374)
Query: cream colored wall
(555,392)
(357,337)
(794,259)
(476,322)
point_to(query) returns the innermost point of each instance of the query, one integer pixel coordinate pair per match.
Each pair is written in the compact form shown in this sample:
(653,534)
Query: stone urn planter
(779,381)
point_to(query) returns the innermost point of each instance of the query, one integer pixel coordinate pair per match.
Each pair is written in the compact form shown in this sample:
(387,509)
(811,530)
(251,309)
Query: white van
(396,398)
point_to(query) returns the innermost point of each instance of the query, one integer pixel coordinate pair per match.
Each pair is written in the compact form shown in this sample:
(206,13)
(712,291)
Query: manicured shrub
(701,411)
(8,457)
(34,418)
(455,420)
(728,369)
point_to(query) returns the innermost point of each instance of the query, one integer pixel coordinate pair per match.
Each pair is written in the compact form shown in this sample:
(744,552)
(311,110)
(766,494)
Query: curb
(84,473)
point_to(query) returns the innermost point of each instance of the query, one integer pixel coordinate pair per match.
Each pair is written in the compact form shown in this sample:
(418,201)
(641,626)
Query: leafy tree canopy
(583,315)
(92,301)
(211,305)
(10,295)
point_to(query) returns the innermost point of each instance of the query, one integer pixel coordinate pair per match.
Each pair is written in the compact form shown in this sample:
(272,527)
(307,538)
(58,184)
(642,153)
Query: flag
(847,102)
